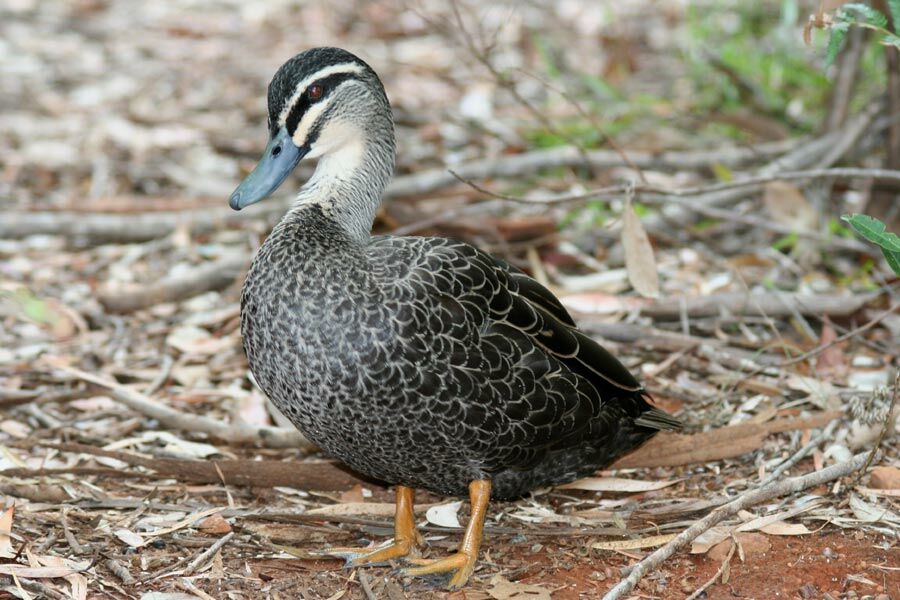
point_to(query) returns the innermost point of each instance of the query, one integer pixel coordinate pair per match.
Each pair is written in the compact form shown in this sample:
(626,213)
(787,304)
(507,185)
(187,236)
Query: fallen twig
(801,453)
(668,449)
(758,304)
(314,475)
(366,584)
(723,568)
(119,570)
(749,498)
(842,338)
(686,198)
(234,433)
(665,449)
(642,190)
(768,304)
(207,277)
(76,547)
(207,554)
(888,422)
(95,228)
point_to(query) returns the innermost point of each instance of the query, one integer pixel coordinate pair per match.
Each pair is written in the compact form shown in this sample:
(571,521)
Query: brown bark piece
(885,478)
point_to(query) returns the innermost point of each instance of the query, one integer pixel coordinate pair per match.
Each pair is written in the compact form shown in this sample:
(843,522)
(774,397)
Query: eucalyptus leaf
(894,8)
(875,231)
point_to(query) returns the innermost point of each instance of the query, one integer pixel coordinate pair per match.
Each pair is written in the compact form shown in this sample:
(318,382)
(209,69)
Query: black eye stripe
(303,103)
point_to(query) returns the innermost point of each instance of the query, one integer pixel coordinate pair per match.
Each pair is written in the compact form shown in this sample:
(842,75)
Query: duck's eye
(315,91)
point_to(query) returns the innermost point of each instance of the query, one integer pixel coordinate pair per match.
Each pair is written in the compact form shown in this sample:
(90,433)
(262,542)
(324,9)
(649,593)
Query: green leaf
(788,241)
(836,36)
(894,7)
(874,230)
(722,172)
(891,39)
(893,260)
(865,12)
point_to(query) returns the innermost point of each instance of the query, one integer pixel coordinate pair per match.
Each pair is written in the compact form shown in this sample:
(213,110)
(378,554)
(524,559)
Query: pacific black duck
(419,361)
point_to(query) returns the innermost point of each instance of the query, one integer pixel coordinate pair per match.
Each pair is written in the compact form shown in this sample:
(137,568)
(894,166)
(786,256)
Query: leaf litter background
(138,461)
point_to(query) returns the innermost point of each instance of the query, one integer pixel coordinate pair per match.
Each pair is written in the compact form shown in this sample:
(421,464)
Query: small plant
(875,231)
(854,14)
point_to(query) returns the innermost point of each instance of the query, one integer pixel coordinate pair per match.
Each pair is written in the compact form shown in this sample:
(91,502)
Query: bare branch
(749,498)
(235,433)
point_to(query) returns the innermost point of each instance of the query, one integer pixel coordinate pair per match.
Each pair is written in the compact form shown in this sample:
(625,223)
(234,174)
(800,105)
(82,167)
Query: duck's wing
(532,291)
(505,359)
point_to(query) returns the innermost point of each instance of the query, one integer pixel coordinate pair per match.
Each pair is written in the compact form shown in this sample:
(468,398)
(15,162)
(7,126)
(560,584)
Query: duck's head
(328,103)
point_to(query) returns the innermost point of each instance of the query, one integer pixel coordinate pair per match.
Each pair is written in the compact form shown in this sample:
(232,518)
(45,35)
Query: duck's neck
(348,183)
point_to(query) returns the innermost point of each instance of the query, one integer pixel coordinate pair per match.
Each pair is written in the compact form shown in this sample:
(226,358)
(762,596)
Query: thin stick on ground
(234,433)
(93,228)
(207,554)
(366,584)
(888,420)
(725,564)
(681,197)
(215,275)
(842,338)
(802,453)
(76,547)
(749,498)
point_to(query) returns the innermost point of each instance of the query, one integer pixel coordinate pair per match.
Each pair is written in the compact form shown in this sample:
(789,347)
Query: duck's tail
(655,418)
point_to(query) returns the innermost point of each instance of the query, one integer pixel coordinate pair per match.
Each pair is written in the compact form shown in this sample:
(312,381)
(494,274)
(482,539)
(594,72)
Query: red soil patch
(824,565)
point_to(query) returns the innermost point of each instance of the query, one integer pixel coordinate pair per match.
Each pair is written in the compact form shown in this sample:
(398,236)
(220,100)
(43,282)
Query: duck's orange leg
(406,536)
(462,563)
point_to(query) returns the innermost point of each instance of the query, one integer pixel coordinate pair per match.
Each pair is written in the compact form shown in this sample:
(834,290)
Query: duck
(422,362)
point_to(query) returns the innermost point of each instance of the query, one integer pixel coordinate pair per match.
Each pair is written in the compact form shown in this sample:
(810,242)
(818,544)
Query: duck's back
(428,363)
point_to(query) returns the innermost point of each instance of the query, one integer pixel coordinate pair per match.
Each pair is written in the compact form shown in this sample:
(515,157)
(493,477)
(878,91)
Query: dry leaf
(62,322)
(35,572)
(832,359)
(6,548)
(599,303)
(645,542)
(77,581)
(751,544)
(215,524)
(639,259)
(196,340)
(251,408)
(754,523)
(893,493)
(179,448)
(383,509)
(377,509)
(130,538)
(15,429)
(503,589)
(885,478)
(869,513)
(704,542)
(444,515)
(788,206)
(353,496)
(187,521)
(782,528)
(616,484)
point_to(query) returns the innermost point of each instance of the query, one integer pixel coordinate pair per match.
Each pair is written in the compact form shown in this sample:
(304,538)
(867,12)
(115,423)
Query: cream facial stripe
(349,68)
(306,122)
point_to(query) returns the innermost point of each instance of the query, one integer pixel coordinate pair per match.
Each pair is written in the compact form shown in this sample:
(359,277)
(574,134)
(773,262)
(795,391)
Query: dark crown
(303,65)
